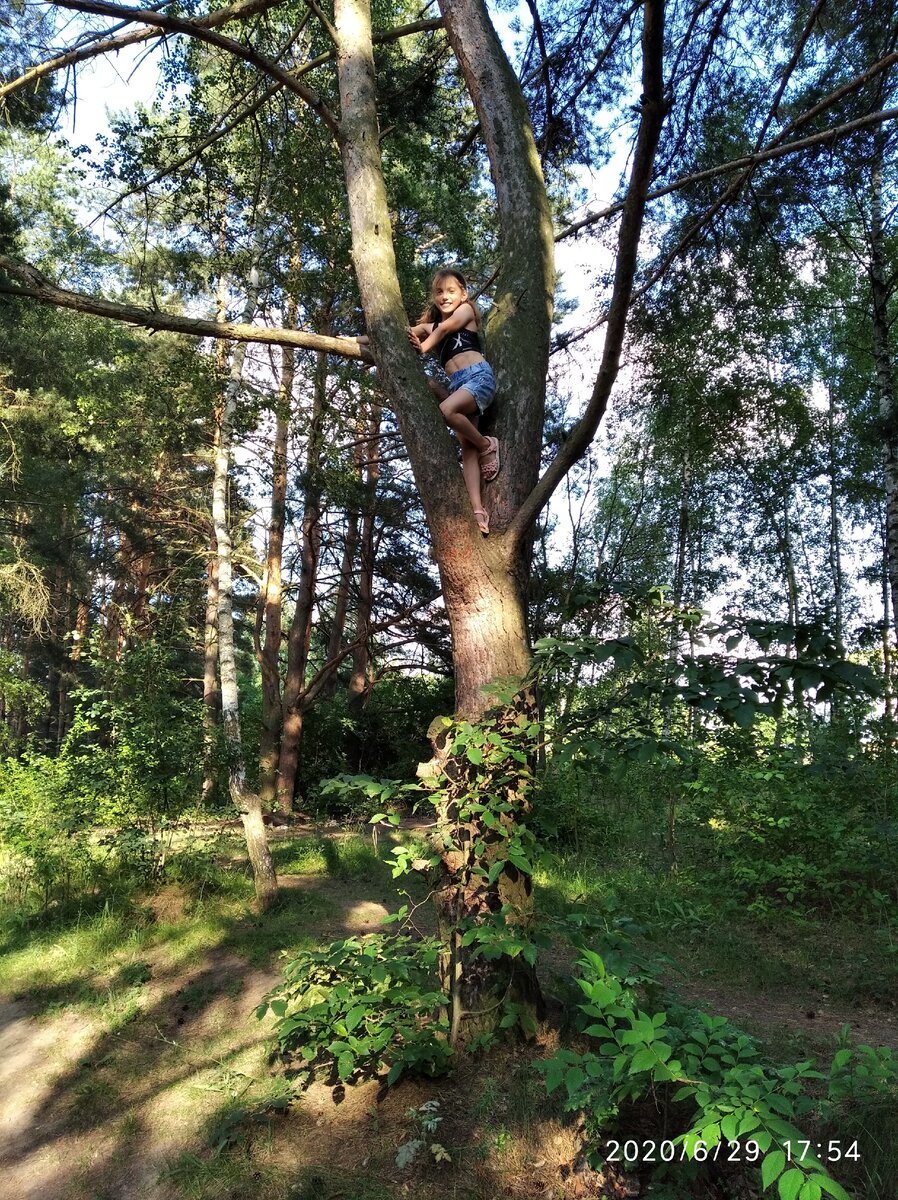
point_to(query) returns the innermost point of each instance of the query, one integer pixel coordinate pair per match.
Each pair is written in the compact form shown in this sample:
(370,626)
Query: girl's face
(448,293)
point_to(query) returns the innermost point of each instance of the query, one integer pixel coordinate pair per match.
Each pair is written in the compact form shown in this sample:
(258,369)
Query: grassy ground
(132,1066)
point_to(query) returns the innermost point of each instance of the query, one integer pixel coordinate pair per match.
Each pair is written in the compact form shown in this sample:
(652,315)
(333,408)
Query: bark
(211,688)
(300,637)
(679,581)
(885,377)
(36,286)
(484,581)
(246,801)
(270,597)
(835,530)
(350,544)
(359,679)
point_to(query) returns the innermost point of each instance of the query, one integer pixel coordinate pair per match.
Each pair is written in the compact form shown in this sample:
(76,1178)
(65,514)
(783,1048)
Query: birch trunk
(246,801)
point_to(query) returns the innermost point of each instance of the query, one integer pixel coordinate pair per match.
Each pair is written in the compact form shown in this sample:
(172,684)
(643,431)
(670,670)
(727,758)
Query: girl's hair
(431,314)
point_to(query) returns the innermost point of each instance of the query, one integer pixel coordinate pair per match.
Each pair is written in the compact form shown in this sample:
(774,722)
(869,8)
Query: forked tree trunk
(484,582)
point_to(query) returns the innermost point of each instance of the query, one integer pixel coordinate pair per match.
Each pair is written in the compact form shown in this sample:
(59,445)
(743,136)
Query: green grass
(714,938)
(198,939)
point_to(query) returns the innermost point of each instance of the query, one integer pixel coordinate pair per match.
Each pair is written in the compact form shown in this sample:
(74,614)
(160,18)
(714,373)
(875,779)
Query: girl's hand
(414,339)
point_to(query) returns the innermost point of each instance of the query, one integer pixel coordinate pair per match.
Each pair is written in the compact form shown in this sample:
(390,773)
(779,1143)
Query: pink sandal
(482,517)
(489,460)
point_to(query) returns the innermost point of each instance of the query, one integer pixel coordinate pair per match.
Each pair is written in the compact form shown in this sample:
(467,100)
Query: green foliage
(46,832)
(360,797)
(719,1091)
(363,1006)
(127,772)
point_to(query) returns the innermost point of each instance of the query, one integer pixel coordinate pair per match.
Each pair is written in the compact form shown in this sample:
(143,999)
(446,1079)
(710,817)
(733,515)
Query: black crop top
(459,342)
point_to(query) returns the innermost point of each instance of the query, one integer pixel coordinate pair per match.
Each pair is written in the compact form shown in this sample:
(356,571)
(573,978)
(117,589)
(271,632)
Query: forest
(358,842)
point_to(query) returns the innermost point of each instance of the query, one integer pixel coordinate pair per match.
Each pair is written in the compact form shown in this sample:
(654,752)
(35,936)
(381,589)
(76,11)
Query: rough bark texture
(483,580)
(519,324)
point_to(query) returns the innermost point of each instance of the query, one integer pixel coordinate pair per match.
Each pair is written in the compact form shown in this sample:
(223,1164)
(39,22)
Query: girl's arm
(462,316)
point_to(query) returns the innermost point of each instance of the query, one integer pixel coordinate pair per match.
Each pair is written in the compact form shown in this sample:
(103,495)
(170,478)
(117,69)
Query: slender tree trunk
(359,677)
(300,636)
(347,562)
(835,529)
(270,597)
(679,580)
(211,687)
(245,799)
(885,377)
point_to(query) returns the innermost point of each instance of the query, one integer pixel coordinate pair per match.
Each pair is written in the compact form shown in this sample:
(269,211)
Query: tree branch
(654,110)
(235,12)
(871,119)
(36,286)
(775,150)
(193,29)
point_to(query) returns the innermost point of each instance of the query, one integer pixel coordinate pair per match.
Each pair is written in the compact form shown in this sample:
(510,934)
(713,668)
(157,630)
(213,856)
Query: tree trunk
(885,378)
(246,801)
(300,636)
(835,529)
(484,581)
(270,596)
(211,688)
(357,688)
(347,562)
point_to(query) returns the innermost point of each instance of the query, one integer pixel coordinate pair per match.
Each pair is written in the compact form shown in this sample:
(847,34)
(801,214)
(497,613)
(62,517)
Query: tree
(484,582)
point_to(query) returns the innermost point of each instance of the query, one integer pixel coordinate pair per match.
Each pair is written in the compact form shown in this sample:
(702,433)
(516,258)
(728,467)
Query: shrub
(361,1006)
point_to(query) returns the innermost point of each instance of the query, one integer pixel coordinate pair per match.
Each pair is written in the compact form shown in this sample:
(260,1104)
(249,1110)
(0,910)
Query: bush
(46,838)
(128,770)
(361,1006)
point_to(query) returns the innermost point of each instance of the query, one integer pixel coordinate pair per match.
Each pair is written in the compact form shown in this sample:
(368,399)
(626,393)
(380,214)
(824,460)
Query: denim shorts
(479,381)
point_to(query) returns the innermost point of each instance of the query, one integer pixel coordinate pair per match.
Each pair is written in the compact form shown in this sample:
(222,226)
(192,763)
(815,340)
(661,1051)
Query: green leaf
(346,1064)
(643,1060)
(354,1017)
(789,1185)
(827,1184)
(772,1167)
(475,755)
(574,1078)
(810,1190)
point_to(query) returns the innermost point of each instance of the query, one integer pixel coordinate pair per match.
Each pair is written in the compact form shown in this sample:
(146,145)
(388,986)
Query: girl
(450,327)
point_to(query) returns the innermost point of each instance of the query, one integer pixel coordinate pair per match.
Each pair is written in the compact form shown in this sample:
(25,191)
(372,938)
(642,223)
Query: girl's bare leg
(462,419)
(470,465)
(457,410)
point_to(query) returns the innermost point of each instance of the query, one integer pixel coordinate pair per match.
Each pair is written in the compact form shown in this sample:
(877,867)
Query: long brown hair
(431,314)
